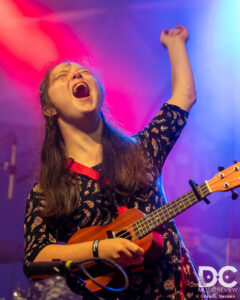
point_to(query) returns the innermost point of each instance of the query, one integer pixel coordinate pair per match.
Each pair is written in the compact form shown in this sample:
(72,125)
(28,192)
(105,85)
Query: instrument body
(151,243)
(123,225)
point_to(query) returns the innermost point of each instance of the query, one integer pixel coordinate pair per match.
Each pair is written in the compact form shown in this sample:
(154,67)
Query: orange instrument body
(125,226)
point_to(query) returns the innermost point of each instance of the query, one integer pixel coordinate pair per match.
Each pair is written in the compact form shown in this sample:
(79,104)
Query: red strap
(121,209)
(91,173)
(81,169)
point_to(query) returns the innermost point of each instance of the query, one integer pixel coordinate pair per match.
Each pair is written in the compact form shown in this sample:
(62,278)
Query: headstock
(226,179)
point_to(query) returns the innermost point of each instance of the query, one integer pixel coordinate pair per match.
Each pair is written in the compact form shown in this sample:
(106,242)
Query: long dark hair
(123,163)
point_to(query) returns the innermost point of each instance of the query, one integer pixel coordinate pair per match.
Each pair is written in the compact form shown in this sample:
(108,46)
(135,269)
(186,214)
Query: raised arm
(183,87)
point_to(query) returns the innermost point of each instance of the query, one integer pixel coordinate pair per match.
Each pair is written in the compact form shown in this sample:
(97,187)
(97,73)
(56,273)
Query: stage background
(120,40)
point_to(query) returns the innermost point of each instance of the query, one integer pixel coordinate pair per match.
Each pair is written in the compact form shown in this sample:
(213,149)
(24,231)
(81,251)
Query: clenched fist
(170,36)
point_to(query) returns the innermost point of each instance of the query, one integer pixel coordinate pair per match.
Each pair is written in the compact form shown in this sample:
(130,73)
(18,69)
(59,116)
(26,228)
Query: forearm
(122,251)
(75,252)
(183,86)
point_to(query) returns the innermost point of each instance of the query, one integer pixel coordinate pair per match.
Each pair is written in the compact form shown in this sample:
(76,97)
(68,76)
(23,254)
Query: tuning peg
(220,169)
(234,195)
(235,161)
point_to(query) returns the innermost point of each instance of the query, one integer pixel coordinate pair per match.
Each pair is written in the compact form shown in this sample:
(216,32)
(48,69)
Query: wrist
(176,42)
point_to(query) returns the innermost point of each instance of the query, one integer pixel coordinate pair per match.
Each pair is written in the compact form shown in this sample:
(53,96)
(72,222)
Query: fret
(186,200)
(154,218)
(139,228)
(191,197)
(150,223)
(161,215)
(204,189)
(141,225)
(172,208)
(168,211)
(184,204)
(178,210)
(147,224)
(200,191)
(144,224)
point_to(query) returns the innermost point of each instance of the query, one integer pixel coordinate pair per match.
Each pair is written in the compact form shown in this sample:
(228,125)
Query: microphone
(76,274)
(12,168)
(45,269)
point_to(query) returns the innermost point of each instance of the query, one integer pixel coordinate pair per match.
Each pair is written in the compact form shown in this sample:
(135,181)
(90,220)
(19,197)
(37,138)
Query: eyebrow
(67,70)
(62,71)
(54,76)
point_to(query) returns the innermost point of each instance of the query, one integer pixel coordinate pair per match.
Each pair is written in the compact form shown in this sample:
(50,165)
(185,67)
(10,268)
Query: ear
(49,111)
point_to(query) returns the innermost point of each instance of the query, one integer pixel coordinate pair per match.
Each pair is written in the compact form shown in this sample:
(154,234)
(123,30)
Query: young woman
(90,169)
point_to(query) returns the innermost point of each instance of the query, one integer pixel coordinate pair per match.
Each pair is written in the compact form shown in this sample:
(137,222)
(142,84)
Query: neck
(83,143)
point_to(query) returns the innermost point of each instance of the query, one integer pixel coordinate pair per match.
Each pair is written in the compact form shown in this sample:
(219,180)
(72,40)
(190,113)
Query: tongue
(81,91)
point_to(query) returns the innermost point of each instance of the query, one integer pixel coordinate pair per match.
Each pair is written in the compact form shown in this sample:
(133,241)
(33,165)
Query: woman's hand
(179,33)
(183,86)
(122,251)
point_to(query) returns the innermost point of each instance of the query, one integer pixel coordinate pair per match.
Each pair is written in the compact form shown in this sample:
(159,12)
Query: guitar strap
(79,168)
(76,167)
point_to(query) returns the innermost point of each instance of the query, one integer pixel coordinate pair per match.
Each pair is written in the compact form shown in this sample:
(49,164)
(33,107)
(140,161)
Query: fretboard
(165,213)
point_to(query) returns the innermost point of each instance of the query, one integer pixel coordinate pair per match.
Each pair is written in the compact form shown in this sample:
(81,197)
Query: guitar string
(130,232)
(187,196)
(148,220)
(164,209)
(145,217)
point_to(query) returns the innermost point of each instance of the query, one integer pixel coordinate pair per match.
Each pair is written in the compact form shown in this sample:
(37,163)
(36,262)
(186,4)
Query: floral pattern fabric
(173,275)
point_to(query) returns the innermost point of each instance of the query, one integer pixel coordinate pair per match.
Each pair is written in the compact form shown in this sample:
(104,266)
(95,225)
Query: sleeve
(37,230)
(159,136)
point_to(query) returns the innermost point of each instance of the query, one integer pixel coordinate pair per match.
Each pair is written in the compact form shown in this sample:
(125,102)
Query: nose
(77,74)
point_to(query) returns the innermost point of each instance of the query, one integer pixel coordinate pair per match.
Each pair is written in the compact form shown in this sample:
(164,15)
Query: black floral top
(172,276)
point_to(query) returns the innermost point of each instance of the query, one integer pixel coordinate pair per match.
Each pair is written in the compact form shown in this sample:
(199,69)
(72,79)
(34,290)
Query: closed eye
(61,75)
(85,71)
(64,73)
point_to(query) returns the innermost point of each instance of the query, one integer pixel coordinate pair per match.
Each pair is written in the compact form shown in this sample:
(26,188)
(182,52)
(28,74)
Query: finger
(171,31)
(180,27)
(133,248)
(126,253)
(165,31)
(139,252)
(136,250)
(175,31)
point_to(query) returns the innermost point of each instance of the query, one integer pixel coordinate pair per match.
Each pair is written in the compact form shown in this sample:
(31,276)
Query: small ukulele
(139,228)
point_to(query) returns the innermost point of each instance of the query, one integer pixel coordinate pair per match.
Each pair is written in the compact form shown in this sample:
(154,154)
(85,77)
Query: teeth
(80,90)
(77,85)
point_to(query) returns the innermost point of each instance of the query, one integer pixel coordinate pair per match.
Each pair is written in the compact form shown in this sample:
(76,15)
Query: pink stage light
(23,37)
(30,42)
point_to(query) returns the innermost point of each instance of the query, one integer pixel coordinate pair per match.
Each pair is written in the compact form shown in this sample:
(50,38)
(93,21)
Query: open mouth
(81,90)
